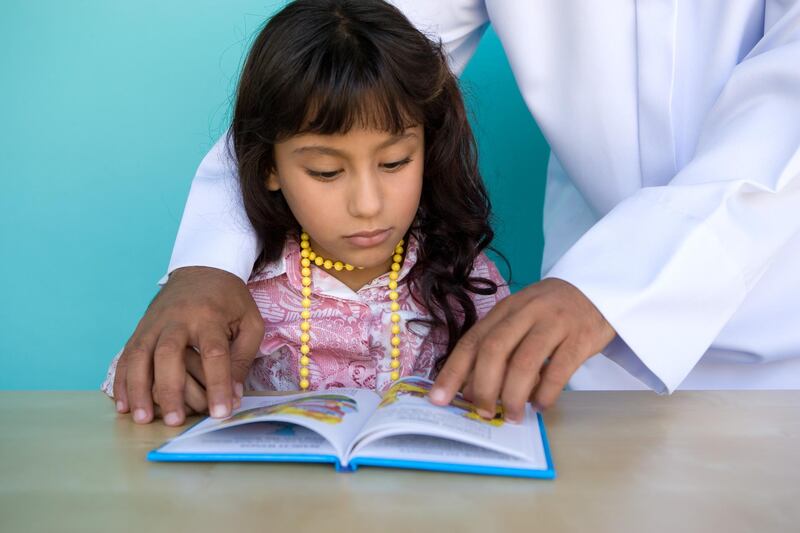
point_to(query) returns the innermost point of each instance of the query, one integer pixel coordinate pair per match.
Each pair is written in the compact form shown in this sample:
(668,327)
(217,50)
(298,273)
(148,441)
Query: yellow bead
(305,326)
(304,384)
(395,329)
(305,271)
(395,363)
(395,306)
(304,236)
(311,255)
(395,376)
(304,372)
(304,338)
(393,295)
(318,261)
(328,264)
(306,291)
(306,281)
(398,250)
(395,317)
(338,266)
(393,275)
(304,244)
(395,352)
(349,267)
(304,254)
(304,349)
(306,303)
(304,360)
(395,341)
(401,243)
(393,284)
(305,262)
(395,267)
(305,314)
(397,258)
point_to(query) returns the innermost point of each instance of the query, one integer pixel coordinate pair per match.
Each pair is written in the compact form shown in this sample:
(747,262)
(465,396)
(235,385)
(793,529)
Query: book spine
(345,468)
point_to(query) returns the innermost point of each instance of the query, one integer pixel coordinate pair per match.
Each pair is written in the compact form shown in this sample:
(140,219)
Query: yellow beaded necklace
(307,256)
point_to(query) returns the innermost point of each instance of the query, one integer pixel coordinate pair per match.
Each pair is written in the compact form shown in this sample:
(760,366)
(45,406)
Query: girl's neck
(358,277)
(355,279)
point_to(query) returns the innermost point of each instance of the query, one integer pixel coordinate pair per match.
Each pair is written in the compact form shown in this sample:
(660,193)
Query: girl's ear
(273,182)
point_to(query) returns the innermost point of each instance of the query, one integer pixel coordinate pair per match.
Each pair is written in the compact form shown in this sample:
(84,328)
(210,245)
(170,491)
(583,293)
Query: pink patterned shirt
(350,330)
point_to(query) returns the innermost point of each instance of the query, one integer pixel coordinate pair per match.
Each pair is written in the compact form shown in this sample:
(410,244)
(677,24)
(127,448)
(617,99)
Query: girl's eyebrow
(327,150)
(394,139)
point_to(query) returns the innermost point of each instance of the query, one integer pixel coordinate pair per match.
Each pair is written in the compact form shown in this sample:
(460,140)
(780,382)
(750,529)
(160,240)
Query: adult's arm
(652,284)
(204,303)
(669,266)
(214,230)
(458,24)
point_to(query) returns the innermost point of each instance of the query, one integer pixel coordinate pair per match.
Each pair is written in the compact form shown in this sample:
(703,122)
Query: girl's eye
(323,175)
(397,164)
(329,175)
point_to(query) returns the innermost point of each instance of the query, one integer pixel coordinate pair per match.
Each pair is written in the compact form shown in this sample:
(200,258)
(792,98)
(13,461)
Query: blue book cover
(351,428)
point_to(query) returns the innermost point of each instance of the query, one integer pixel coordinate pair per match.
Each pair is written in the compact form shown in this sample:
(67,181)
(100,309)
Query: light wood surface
(626,461)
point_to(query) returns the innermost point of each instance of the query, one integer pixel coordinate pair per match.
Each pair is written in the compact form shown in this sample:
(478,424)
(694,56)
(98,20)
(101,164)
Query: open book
(357,427)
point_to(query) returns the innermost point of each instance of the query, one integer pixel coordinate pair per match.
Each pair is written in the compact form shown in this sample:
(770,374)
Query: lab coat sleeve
(459,24)
(669,266)
(215,231)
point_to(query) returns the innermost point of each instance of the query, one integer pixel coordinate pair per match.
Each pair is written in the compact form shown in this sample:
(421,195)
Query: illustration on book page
(329,408)
(420,388)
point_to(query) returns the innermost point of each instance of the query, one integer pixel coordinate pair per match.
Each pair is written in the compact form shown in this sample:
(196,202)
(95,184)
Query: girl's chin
(371,259)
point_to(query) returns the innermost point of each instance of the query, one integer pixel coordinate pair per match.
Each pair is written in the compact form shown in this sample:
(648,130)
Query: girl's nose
(365,196)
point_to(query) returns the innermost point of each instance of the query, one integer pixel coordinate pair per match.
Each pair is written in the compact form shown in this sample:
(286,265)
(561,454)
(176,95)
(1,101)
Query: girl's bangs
(336,108)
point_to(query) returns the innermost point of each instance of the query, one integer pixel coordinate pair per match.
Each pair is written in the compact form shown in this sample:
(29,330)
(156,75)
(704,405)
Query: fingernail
(436,395)
(485,414)
(120,406)
(238,388)
(140,415)
(537,406)
(513,419)
(219,411)
(237,403)
(172,418)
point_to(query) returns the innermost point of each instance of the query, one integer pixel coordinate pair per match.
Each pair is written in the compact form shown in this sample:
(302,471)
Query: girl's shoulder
(483,267)
(289,255)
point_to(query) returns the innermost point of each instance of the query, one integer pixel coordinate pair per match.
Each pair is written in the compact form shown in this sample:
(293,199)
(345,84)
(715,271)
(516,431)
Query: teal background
(107,109)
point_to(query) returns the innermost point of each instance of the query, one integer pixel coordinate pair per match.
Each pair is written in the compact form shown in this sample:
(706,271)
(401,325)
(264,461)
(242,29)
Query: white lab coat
(673,190)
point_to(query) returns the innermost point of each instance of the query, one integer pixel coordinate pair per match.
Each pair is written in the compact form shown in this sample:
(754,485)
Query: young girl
(358,172)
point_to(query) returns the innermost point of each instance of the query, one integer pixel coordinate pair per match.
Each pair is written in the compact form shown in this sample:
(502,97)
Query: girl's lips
(367,239)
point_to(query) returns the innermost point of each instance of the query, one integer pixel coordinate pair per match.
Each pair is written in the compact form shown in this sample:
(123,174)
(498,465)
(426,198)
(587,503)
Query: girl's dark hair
(325,66)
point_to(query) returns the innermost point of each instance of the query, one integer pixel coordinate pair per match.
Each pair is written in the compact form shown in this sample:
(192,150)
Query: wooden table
(626,461)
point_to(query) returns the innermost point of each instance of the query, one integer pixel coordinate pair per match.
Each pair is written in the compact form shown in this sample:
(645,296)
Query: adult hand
(202,307)
(194,391)
(528,346)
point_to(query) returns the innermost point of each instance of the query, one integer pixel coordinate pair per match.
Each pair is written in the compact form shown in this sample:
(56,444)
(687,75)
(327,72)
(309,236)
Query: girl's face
(355,194)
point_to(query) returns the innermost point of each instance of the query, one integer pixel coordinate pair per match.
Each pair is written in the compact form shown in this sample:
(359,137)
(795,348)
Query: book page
(335,416)
(438,450)
(405,410)
(255,438)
